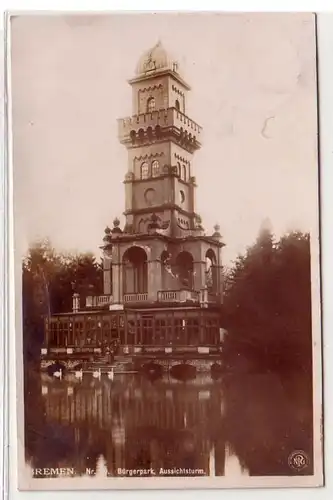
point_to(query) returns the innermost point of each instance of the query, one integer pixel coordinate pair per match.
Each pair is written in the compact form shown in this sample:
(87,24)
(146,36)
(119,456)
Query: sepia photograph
(165,173)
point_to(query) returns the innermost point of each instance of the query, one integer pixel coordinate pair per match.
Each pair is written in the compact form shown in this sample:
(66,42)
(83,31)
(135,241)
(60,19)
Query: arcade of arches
(135,270)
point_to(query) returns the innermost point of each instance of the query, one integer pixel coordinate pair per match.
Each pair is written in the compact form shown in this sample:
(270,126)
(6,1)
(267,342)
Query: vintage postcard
(166,215)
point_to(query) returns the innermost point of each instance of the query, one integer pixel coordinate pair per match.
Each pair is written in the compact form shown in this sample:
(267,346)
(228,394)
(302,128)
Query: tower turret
(160,139)
(160,211)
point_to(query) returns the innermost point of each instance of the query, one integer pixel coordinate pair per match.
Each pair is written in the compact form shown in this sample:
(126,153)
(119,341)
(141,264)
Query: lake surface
(239,425)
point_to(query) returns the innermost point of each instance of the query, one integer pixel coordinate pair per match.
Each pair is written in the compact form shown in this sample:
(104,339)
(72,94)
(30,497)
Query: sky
(253,79)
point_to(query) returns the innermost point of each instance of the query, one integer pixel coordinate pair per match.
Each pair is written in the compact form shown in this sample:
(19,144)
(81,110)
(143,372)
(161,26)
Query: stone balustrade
(135,297)
(99,300)
(165,118)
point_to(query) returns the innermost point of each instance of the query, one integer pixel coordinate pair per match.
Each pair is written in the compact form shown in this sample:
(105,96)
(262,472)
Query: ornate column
(107,287)
(154,279)
(117,283)
(199,274)
(117,275)
(218,237)
(128,190)
(76,302)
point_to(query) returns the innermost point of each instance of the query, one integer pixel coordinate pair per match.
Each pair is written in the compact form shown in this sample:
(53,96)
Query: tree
(267,305)
(49,280)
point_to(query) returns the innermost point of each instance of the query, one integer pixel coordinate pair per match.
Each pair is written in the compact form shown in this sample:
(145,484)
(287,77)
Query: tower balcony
(130,298)
(98,301)
(194,296)
(201,297)
(103,301)
(178,296)
(149,125)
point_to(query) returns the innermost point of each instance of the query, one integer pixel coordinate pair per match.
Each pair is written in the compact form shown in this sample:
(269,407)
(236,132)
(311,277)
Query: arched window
(149,133)
(142,224)
(185,269)
(177,105)
(133,136)
(179,169)
(150,105)
(144,170)
(158,132)
(155,168)
(135,272)
(211,272)
(166,270)
(184,173)
(141,134)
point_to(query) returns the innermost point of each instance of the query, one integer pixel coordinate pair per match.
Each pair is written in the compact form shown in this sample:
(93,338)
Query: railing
(178,296)
(99,300)
(164,118)
(208,298)
(135,297)
(162,296)
(171,296)
(171,349)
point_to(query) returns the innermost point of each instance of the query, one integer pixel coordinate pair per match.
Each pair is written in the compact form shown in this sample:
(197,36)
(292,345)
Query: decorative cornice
(161,208)
(169,134)
(147,156)
(184,228)
(125,238)
(158,74)
(180,158)
(152,87)
(177,91)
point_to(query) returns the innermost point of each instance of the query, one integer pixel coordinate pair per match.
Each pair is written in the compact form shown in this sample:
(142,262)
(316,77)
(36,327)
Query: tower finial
(217,235)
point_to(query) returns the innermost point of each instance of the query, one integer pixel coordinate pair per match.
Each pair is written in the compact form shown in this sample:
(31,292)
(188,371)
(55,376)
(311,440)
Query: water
(239,425)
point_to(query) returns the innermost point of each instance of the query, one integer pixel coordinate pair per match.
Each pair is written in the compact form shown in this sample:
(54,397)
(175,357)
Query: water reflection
(235,426)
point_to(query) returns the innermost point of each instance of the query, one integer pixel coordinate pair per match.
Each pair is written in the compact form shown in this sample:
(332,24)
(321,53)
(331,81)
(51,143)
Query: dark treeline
(267,307)
(267,315)
(49,280)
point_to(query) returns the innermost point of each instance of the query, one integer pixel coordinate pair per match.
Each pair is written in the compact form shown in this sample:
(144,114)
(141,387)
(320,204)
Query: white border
(3,288)
(26,482)
(326,128)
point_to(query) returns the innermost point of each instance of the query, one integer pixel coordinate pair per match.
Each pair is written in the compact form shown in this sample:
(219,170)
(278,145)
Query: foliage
(267,306)
(49,280)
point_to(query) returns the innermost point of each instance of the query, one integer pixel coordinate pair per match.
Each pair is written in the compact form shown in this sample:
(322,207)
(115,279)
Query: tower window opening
(141,134)
(177,105)
(135,271)
(150,132)
(158,132)
(211,272)
(155,168)
(151,105)
(185,269)
(184,173)
(144,170)
(133,136)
